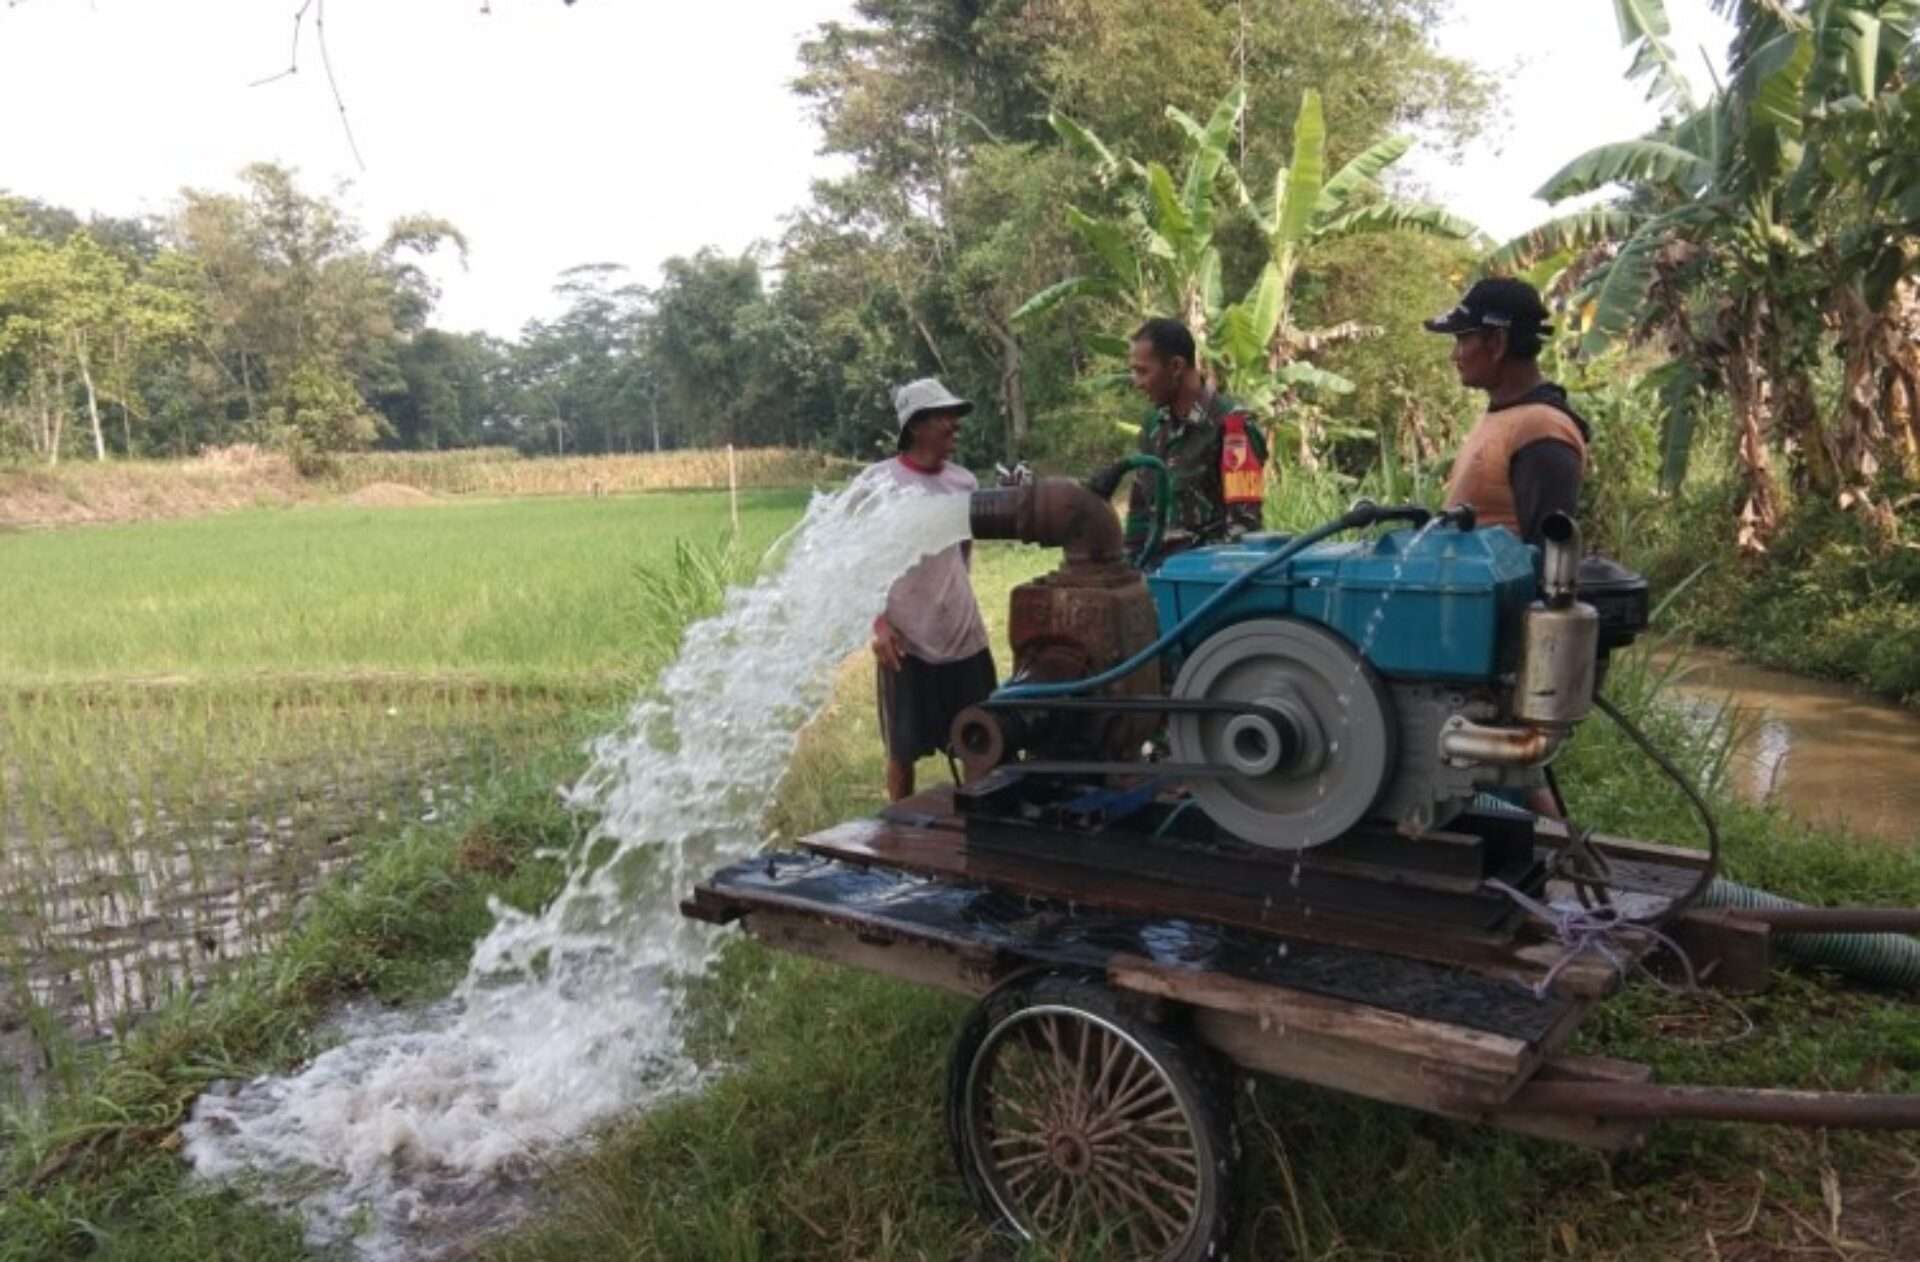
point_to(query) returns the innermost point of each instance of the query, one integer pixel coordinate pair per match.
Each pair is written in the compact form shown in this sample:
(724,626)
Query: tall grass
(1299,499)
(491,472)
(1837,596)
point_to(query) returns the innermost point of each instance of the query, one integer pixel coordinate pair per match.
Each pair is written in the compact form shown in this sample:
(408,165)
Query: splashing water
(404,1136)
(1393,585)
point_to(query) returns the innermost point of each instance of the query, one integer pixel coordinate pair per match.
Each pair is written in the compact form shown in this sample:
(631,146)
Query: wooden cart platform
(1121,971)
(1448,1022)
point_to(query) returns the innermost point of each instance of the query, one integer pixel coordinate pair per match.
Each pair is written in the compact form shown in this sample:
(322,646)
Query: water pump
(1316,683)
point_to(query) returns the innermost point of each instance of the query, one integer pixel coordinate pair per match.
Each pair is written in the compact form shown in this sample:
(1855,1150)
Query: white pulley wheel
(1333,700)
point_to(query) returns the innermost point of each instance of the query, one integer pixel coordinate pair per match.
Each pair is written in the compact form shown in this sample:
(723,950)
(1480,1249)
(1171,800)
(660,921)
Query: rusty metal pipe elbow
(1052,512)
(1462,741)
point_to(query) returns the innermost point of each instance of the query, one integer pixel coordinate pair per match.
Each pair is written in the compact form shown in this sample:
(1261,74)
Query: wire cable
(1712,868)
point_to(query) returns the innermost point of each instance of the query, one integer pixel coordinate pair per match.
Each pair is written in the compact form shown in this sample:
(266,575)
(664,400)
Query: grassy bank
(824,1137)
(247,477)
(1836,597)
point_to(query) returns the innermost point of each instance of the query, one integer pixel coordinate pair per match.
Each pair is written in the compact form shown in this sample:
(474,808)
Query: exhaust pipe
(1561,652)
(1463,741)
(1560,570)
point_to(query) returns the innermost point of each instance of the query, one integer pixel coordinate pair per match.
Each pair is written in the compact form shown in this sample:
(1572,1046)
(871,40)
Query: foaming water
(411,1132)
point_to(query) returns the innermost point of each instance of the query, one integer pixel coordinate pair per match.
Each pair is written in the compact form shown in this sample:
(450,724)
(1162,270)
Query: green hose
(1162,503)
(1886,959)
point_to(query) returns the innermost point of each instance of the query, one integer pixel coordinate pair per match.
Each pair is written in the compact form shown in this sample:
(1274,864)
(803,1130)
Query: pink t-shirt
(932,604)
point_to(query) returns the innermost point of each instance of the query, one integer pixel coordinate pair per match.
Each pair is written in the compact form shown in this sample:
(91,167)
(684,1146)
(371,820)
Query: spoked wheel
(1081,1126)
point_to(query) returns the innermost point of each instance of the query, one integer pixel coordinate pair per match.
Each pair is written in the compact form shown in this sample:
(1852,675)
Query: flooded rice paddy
(152,837)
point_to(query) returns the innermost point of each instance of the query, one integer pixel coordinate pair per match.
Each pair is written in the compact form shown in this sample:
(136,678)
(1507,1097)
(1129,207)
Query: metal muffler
(1559,655)
(1561,646)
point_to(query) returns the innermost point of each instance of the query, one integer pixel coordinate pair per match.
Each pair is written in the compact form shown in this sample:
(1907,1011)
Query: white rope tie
(1596,929)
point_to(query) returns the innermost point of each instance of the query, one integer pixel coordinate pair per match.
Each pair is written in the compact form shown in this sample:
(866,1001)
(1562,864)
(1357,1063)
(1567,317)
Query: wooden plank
(1392,1078)
(918,961)
(1419,1063)
(942,853)
(1727,952)
(929,808)
(1553,832)
(1281,1007)
(1403,900)
(1607,1135)
(1593,1069)
(1340,1063)
(730,905)
(1588,976)
(876,898)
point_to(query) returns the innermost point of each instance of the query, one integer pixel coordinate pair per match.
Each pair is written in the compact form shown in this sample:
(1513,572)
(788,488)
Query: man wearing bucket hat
(931,643)
(1527,456)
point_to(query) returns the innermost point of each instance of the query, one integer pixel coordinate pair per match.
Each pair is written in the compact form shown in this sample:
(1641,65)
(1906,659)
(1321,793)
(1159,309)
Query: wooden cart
(1121,984)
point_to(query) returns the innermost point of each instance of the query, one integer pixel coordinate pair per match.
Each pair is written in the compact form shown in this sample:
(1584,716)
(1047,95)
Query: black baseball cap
(1500,302)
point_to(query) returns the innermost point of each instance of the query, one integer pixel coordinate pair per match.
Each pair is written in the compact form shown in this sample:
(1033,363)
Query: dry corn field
(248,477)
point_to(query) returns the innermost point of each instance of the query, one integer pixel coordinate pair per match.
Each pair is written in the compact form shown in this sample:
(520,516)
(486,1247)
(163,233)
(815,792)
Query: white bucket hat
(924,395)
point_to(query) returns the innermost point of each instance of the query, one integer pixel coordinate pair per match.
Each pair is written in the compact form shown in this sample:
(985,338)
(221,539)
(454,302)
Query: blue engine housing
(1443,605)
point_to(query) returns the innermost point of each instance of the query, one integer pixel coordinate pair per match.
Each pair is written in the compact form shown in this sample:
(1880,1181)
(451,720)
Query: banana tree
(1266,356)
(1159,255)
(1755,223)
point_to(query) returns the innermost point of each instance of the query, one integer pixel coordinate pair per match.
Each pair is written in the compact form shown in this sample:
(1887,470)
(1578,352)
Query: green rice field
(201,719)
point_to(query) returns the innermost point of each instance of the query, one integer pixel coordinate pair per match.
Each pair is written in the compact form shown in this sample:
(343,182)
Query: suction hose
(1886,959)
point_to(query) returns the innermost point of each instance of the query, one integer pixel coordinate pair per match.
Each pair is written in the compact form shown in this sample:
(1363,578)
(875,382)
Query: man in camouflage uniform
(1208,442)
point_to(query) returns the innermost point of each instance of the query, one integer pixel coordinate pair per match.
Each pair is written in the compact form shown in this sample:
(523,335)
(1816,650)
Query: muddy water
(1828,753)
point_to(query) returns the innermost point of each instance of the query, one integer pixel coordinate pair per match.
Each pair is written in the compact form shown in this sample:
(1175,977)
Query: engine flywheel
(1311,771)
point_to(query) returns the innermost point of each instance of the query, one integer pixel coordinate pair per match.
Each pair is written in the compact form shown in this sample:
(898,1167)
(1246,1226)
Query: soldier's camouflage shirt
(1190,447)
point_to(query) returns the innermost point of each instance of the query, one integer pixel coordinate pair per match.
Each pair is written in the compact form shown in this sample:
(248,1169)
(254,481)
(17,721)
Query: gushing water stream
(403,1136)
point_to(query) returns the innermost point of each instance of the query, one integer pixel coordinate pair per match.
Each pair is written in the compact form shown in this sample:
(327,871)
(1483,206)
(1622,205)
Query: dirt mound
(388,495)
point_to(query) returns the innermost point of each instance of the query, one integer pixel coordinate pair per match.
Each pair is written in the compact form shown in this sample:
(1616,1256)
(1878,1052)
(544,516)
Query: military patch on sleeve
(1240,468)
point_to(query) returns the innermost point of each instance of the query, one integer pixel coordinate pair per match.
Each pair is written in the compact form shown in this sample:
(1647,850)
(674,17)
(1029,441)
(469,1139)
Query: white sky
(612,130)
(1562,70)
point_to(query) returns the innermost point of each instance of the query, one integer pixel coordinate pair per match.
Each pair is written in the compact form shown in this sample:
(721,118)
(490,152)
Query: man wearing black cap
(1527,456)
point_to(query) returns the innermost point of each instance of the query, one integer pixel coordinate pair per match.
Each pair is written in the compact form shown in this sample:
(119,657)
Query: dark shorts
(918,702)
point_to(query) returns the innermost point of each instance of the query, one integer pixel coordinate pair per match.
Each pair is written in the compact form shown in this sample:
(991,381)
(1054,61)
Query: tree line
(267,314)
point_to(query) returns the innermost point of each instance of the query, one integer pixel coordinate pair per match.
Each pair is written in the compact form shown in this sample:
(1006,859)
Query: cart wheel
(1080,1125)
